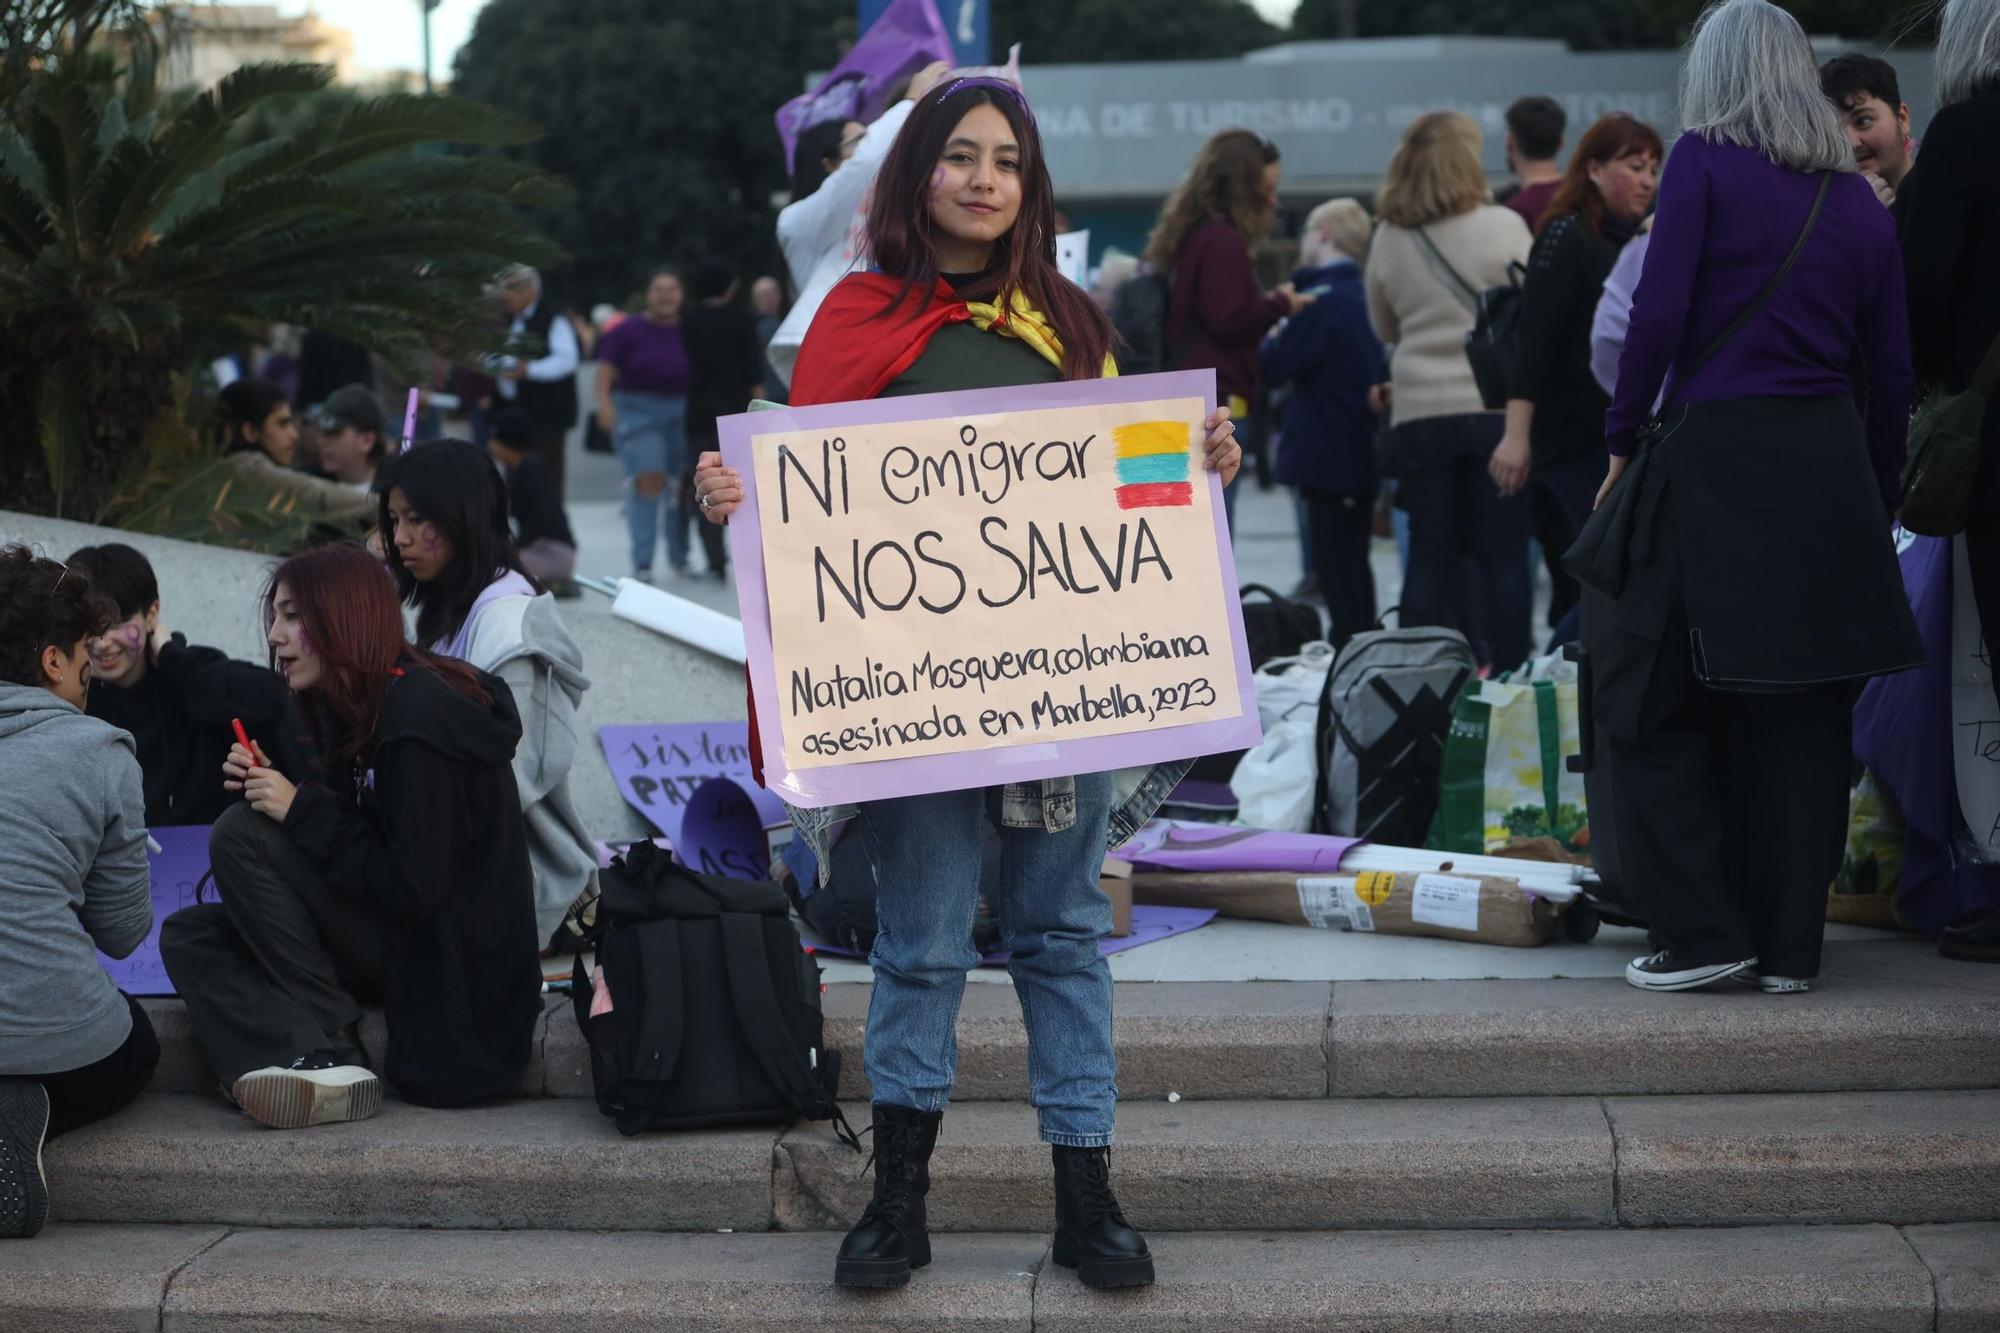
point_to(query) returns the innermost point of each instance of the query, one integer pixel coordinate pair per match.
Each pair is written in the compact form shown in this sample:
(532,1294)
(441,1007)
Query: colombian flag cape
(853,350)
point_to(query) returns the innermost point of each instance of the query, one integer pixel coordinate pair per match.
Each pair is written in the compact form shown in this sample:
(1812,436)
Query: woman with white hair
(1760,585)
(1948,201)
(1331,357)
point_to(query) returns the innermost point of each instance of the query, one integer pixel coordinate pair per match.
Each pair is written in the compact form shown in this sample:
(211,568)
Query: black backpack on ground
(1383,716)
(1274,627)
(714,1007)
(842,910)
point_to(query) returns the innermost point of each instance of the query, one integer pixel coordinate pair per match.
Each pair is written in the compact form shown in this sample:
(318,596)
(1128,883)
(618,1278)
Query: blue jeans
(1468,563)
(651,437)
(926,853)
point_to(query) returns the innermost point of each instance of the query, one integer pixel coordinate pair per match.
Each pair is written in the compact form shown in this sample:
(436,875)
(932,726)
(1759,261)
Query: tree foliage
(1090,31)
(1586,25)
(137,231)
(661,115)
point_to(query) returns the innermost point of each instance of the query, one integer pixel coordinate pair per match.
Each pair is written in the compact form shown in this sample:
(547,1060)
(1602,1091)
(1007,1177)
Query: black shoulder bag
(1600,557)
(1493,344)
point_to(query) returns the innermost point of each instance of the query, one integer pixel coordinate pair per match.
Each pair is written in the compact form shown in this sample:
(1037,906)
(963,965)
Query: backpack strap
(1982,383)
(1757,302)
(1440,262)
(655,1043)
(765,1031)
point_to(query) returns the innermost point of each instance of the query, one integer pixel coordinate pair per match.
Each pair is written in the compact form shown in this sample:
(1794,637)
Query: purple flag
(908,36)
(1903,732)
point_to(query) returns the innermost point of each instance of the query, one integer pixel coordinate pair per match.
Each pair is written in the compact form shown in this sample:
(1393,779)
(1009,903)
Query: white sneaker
(1771,985)
(313,1091)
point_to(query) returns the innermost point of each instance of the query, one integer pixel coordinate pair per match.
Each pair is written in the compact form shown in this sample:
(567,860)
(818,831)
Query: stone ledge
(1229,1165)
(548,1163)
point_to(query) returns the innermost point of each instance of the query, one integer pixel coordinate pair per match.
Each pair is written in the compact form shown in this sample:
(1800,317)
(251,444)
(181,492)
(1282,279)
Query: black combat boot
(1092,1235)
(891,1238)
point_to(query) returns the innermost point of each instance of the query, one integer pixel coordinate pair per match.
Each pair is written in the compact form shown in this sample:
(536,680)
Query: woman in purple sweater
(1762,581)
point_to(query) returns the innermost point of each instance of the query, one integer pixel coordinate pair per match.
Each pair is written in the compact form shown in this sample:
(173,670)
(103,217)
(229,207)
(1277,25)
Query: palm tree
(138,231)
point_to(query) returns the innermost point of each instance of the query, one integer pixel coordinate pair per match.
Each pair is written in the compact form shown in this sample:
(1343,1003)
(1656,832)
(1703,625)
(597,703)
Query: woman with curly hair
(73,881)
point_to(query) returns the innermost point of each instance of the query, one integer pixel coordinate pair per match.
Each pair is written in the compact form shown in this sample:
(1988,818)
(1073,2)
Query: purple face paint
(305,644)
(132,635)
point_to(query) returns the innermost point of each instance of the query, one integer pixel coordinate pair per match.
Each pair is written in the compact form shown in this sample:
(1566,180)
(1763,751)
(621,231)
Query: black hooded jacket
(179,715)
(426,834)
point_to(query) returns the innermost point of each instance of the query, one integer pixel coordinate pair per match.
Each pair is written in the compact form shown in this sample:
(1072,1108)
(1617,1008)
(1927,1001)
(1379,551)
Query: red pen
(243,739)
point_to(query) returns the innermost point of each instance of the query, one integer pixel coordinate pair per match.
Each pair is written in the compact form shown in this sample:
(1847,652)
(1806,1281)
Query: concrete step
(1889,1016)
(1796,1279)
(1462,1162)
(555,1164)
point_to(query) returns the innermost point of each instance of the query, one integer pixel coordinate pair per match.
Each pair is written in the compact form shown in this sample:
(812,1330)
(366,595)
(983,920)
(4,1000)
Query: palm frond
(197,136)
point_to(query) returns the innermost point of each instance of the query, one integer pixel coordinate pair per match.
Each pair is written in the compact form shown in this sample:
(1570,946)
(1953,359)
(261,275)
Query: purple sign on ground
(659,768)
(177,868)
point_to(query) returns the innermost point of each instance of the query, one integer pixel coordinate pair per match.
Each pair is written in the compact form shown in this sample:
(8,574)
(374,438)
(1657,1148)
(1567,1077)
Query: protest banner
(961,589)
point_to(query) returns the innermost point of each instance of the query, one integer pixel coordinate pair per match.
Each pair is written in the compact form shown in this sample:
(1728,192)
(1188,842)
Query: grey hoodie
(73,880)
(523,641)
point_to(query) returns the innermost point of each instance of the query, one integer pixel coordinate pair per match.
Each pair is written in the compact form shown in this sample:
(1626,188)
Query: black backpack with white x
(709,1009)
(1383,716)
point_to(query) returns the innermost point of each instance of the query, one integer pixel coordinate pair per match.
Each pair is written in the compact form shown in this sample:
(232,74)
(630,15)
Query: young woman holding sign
(967,296)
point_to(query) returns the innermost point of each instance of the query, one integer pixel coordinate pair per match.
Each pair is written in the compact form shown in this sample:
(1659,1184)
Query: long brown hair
(900,224)
(1435,173)
(1611,138)
(1227,182)
(348,606)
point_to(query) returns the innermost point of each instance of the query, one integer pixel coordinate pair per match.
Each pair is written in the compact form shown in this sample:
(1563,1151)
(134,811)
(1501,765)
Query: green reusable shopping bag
(1504,776)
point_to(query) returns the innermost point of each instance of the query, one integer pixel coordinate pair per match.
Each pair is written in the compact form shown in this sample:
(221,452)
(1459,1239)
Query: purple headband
(1012,89)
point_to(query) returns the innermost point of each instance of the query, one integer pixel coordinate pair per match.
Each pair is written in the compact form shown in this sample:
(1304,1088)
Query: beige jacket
(1426,315)
(335,500)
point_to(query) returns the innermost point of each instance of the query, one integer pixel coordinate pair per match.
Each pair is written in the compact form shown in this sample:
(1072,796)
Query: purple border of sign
(884,779)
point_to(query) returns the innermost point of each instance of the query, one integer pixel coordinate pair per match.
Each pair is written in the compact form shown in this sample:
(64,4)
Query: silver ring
(702,500)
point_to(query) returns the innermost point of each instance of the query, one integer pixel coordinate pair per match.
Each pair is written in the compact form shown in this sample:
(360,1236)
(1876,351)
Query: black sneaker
(1664,971)
(315,1089)
(24,1191)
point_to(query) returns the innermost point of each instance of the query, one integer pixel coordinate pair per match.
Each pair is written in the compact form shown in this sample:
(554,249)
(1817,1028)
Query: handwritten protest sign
(691,782)
(953,590)
(176,868)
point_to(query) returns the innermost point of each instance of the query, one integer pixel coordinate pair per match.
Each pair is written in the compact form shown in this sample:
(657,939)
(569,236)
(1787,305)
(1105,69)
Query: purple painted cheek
(132,635)
(305,644)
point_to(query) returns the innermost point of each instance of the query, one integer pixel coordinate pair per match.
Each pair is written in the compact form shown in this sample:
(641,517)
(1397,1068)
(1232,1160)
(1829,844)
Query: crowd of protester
(1724,338)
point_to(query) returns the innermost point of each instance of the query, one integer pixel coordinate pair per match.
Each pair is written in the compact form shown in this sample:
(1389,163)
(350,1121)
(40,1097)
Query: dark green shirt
(960,356)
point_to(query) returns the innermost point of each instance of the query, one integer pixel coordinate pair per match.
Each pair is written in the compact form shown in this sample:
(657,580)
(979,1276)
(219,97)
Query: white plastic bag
(1274,782)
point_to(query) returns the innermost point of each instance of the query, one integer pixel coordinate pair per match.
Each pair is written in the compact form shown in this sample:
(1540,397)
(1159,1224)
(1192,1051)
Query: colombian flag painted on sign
(1153,465)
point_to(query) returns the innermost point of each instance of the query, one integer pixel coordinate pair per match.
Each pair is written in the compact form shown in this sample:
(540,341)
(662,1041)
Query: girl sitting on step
(449,546)
(399,877)
(73,880)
